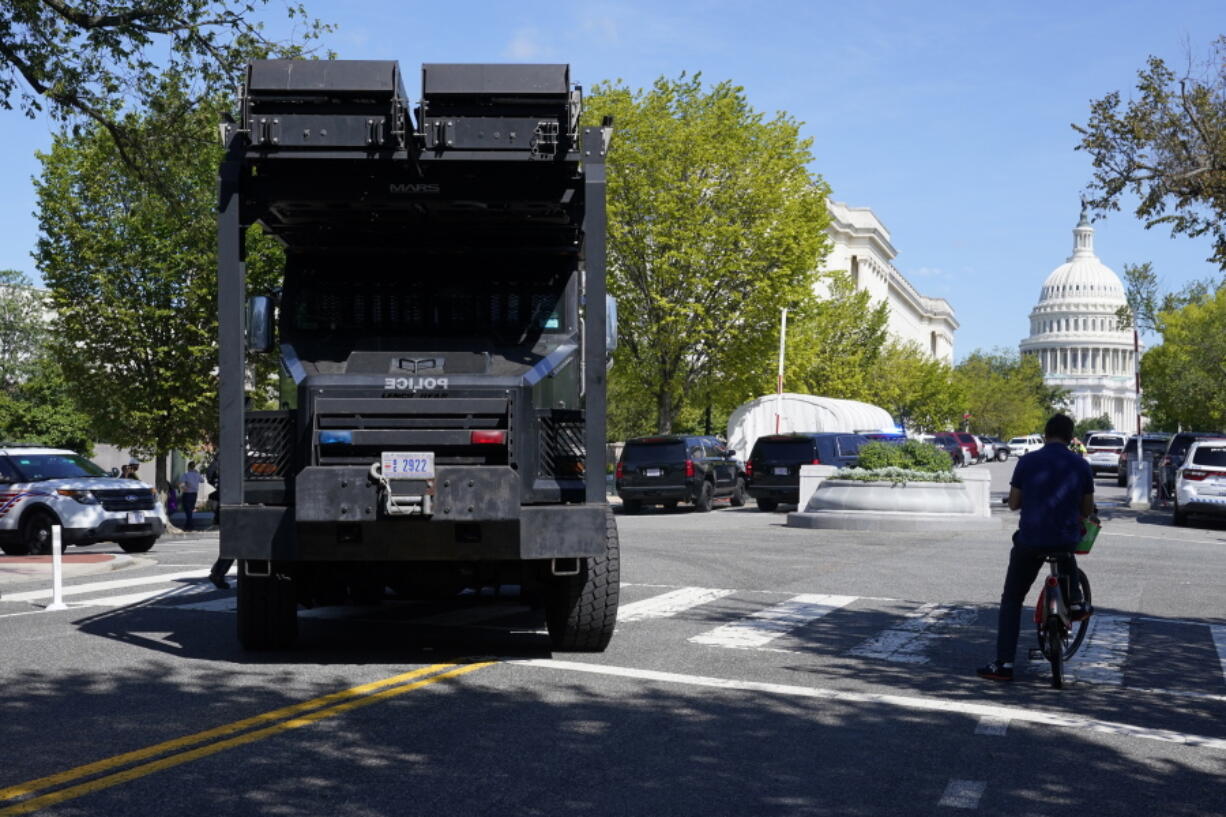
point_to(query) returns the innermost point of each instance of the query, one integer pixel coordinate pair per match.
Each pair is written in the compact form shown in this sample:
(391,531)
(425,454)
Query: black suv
(1176,450)
(1153,446)
(677,468)
(774,464)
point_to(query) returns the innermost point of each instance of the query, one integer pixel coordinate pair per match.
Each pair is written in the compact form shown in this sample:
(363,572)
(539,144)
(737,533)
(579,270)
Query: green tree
(1183,376)
(1005,395)
(133,280)
(23,329)
(42,409)
(715,223)
(1088,424)
(915,388)
(92,61)
(1167,147)
(837,341)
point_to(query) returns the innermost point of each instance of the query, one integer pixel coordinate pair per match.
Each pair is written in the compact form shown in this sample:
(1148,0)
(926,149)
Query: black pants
(189,507)
(1024,565)
(221,567)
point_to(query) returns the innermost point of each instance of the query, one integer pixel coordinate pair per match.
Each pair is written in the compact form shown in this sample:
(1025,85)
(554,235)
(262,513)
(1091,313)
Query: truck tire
(267,611)
(705,495)
(738,495)
(140,545)
(580,611)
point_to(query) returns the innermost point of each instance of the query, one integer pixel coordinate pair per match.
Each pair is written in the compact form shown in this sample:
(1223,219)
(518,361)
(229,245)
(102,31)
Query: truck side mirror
(259,323)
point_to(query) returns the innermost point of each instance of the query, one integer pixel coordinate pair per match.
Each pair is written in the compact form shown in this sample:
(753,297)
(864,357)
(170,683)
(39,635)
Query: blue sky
(950,119)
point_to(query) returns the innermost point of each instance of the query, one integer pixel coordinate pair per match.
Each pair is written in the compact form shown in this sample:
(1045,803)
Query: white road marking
(957,707)
(1101,657)
(669,604)
(996,727)
(148,596)
(963,793)
(113,584)
(1219,641)
(766,625)
(908,642)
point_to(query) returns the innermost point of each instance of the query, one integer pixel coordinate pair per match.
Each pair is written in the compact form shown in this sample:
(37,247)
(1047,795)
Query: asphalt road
(757,670)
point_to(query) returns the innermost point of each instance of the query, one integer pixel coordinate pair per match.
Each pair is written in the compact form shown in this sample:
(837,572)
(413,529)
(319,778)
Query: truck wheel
(768,505)
(580,611)
(632,506)
(36,533)
(705,494)
(267,611)
(1001,456)
(140,545)
(738,496)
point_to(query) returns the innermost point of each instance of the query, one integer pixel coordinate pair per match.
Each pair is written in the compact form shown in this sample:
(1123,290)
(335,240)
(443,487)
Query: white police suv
(41,487)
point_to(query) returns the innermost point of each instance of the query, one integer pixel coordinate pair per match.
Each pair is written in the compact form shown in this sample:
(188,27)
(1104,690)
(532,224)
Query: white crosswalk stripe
(1104,651)
(909,642)
(669,604)
(761,628)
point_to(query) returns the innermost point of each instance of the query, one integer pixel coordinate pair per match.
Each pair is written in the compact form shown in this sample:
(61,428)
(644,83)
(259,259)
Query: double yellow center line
(211,741)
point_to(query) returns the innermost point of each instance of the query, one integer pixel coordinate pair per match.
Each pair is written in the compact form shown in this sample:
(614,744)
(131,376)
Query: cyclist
(1054,489)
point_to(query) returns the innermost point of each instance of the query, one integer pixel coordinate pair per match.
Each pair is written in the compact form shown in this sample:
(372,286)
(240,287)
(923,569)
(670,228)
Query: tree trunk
(664,412)
(160,482)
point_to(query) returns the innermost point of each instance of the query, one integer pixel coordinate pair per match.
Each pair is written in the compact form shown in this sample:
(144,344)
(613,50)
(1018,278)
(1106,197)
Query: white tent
(801,412)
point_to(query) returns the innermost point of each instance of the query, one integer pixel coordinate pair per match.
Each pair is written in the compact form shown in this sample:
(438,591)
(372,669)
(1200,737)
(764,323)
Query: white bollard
(57,571)
(1140,478)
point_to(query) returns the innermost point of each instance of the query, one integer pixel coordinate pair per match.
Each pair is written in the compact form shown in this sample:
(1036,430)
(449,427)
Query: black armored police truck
(443,333)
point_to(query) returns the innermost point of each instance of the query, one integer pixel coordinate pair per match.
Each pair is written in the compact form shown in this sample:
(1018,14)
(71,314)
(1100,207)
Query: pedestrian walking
(217,575)
(129,470)
(189,489)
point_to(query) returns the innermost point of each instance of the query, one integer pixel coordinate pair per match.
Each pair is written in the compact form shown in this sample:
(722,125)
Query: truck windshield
(664,451)
(38,467)
(324,303)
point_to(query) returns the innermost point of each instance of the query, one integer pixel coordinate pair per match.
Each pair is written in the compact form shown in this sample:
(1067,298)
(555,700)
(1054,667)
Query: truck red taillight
(749,468)
(816,462)
(689,468)
(617,472)
(488,438)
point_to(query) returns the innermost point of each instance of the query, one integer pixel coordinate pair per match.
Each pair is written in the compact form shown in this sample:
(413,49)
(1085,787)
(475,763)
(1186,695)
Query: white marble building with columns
(860,244)
(1075,334)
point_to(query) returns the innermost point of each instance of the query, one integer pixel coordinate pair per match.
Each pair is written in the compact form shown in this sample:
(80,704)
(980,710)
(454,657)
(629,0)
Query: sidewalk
(23,569)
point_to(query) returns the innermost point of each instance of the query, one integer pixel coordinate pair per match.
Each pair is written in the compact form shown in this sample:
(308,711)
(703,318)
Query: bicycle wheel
(1078,633)
(1054,643)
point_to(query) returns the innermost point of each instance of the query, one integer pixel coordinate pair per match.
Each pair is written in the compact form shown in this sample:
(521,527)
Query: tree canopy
(1005,395)
(1167,147)
(133,282)
(97,61)
(918,390)
(23,328)
(715,223)
(1183,376)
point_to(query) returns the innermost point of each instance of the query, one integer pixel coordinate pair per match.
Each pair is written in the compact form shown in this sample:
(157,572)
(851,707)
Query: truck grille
(121,499)
(269,444)
(563,450)
(443,425)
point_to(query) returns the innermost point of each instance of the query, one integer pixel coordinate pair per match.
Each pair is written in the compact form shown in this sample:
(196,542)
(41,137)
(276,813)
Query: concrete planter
(851,505)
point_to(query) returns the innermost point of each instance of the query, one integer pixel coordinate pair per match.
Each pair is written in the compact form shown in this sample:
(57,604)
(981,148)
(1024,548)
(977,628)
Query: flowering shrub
(896,475)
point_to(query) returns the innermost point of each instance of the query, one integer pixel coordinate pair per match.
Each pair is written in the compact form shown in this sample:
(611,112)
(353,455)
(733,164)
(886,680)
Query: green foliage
(1184,376)
(911,455)
(133,279)
(1083,427)
(1166,147)
(41,409)
(898,476)
(23,329)
(1005,394)
(918,390)
(715,223)
(90,61)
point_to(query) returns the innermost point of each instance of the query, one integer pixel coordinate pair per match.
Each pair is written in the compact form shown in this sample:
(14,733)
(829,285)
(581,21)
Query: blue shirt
(1052,481)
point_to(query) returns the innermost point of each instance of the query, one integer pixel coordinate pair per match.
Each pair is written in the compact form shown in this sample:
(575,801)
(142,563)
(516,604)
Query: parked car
(1172,458)
(41,487)
(950,446)
(1021,446)
(967,441)
(1153,446)
(999,448)
(1200,481)
(1103,450)
(774,464)
(666,470)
